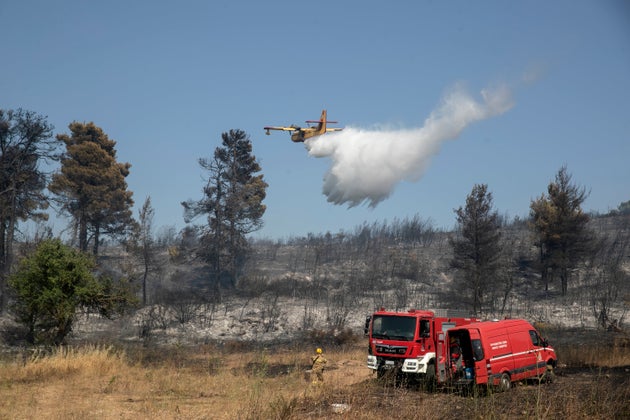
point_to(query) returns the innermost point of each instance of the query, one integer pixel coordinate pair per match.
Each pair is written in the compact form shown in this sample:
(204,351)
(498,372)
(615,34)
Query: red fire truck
(411,345)
(497,353)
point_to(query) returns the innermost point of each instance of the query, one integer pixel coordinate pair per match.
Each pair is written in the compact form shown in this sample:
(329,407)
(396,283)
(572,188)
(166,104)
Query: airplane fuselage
(298,135)
(303,134)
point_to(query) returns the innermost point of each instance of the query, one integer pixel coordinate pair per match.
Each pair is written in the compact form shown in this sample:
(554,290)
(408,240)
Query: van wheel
(504,383)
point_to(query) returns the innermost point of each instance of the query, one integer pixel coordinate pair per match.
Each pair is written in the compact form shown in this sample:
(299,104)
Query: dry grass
(101,382)
(234,382)
(602,349)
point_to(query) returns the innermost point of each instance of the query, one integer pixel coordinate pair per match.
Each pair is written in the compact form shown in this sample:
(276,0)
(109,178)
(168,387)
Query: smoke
(368,164)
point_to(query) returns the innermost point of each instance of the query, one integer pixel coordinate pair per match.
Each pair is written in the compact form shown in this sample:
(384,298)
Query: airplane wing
(282,128)
(334,129)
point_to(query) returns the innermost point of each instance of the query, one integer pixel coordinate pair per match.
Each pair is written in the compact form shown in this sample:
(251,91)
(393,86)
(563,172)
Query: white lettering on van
(498,345)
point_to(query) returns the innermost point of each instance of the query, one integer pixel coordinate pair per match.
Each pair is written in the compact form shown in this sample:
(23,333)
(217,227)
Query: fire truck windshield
(393,327)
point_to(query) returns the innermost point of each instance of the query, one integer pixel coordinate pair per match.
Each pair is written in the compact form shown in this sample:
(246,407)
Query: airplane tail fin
(321,127)
(322,122)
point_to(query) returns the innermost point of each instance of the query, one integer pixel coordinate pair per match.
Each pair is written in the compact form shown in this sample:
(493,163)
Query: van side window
(477,350)
(535,339)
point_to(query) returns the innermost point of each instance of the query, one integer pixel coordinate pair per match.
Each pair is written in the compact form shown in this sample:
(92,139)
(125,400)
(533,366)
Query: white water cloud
(368,164)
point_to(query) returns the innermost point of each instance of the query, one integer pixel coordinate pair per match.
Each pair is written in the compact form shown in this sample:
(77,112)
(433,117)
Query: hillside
(323,287)
(326,285)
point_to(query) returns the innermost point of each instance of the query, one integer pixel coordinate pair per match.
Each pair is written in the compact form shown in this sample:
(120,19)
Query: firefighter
(318,363)
(456,353)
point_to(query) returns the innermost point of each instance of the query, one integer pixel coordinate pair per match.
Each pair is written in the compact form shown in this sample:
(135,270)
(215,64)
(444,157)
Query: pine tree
(476,249)
(560,229)
(91,185)
(232,202)
(25,141)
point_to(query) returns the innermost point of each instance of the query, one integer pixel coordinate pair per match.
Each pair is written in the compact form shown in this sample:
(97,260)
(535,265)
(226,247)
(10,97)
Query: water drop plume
(366,165)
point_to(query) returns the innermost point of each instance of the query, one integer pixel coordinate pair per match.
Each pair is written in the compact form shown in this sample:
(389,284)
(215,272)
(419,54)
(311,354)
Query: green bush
(52,283)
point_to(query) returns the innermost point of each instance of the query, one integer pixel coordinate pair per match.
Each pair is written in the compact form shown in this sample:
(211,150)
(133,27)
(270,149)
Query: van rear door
(481,364)
(441,357)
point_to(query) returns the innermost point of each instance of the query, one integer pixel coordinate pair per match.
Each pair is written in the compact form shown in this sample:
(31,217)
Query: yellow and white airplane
(299,134)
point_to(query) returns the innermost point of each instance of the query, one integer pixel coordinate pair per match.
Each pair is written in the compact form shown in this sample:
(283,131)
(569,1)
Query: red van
(497,353)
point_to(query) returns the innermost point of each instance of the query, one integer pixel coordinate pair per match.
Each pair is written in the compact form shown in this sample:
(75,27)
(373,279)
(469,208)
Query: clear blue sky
(165,79)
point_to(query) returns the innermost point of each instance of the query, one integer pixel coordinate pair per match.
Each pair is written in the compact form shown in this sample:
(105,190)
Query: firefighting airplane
(299,134)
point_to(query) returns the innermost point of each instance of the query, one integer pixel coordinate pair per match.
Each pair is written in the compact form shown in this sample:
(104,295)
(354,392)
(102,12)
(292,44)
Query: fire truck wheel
(430,372)
(504,383)
(429,379)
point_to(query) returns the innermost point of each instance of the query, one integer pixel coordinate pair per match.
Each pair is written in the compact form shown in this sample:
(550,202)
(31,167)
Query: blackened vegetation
(400,264)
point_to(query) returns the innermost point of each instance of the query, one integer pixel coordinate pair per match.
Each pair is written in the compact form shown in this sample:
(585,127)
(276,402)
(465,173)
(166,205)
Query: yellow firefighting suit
(319,361)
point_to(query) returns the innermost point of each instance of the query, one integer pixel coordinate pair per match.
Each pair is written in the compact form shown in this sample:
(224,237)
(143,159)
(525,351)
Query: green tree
(476,248)
(53,283)
(25,141)
(560,229)
(232,202)
(91,185)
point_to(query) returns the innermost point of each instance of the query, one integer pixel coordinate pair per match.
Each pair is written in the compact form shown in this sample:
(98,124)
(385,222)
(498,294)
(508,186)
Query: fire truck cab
(411,344)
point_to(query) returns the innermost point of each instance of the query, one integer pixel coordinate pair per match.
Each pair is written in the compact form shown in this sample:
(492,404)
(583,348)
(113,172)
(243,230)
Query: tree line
(559,231)
(89,186)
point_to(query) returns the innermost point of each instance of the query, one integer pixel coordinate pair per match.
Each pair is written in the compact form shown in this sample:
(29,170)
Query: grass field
(236,382)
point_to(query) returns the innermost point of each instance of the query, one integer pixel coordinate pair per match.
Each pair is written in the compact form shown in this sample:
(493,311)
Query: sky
(434,97)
